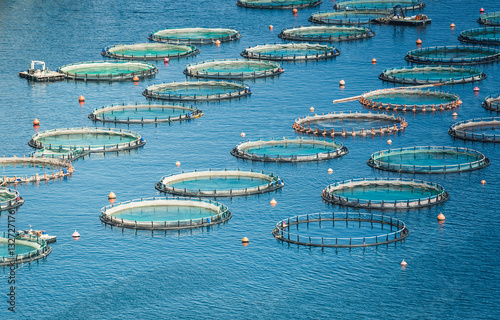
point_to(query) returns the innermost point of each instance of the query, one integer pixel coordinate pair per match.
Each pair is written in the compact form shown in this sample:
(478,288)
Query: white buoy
(311,109)
(404,263)
(178,163)
(330,170)
(75,234)
(389,141)
(243,134)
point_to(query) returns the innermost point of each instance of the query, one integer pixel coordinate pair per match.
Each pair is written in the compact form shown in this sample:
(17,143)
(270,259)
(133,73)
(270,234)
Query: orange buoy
(273,202)
(243,134)
(294,11)
(441,217)
(452,25)
(270,27)
(374,61)
(419,41)
(311,109)
(166,60)
(330,170)
(135,79)
(81,99)
(389,141)
(111,201)
(217,42)
(404,263)
(483,182)
(36,122)
(476,89)
(111,195)
(178,163)
(245,240)
(455,114)
(342,83)
(481,10)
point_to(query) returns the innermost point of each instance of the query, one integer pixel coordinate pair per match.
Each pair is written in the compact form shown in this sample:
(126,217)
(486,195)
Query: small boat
(402,20)
(42,234)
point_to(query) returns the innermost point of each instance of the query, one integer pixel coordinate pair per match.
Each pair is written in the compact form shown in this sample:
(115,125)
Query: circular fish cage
(160,213)
(28,248)
(432,74)
(289,150)
(219,183)
(195,35)
(457,55)
(89,139)
(385,193)
(33,169)
(415,100)
(486,36)
(326,33)
(484,130)
(492,103)
(144,113)
(233,69)
(354,229)
(490,19)
(10,199)
(428,159)
(278,4)
(149,51)
(378,4)
(347,17)
(197,91)
(290,52)
(349,124)
(108,70)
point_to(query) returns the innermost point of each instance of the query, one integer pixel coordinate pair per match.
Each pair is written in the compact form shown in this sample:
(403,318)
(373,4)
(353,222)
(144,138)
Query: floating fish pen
(165,214)
(385,193)
(278,4)
(492,103)
(349,124)
(89,139)
(490,19)
(107,70)
(10,199)
(195,35)
(484,130)
(289,150)
(428,159)
(33,169)
(58,153)
(290,52)
(197,91)
(144,113)
(233,69)
(432,74)
(221,183)
(486,36)
(347,17)
(341,230)
(457,55)
(377,4)
(28,248)
(410,100)
(149,51)
(326,33)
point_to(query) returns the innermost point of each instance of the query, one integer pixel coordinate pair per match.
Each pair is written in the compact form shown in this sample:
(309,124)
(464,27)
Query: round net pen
(160,213)
(481,36)
(349,124)
(385,193)
(483,130)
(149,51)
(344,224)
(219,183)
(10,199)
(428,159)
(233,69)
(490,19)
(28,248)
(108,70)
(455,55)
(195,35)
(33,169)
(289,150)
(347,17)
(492,103)
(202,91)
(326,33)
(421,75)
(290,52)
(378,4)
(278,4)
(59,153)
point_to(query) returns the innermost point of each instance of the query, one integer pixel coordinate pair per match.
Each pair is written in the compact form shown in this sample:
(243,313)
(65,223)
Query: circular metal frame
(232,35)
(365,33)
(109,52)
(149,72)
(192,113)
(457,130)
(494,55)
(396,75)
(240,90)
(273,70)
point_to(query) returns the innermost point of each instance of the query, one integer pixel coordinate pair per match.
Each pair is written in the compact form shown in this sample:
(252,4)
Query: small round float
(233,69)
(492,103)
(385,193)
(484,130)
(290,52)
(432,74)
(289,150)
(144,113)
(409,100)
(149,51)
(377,4)
(455,55)
(349,124)
(10,199)
(340,230)
(281,4)
(161,213)
(33,169)
(347,17)
(195,35)
(490,19)
(108,70)
(197,91)
(219,183)
(486,36)
(28,248)
(428,159)
(326,33)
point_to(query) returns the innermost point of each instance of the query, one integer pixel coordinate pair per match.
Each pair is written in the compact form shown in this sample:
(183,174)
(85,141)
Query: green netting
(58,153)
(233,69)
(33,169)
(326,34)
(277,4)
(460,55)
(10,199)
(377,4)
(194,35)
(484,130)
(487,36)
(347,17)
(492,103)
(197,91)
(108,70)
(28,248)
(432,74)
(490,19)
(290,52)
(149,51)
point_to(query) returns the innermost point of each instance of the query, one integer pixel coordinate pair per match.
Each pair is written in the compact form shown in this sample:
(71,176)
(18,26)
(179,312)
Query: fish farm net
(378,4)
(410,100)
(233,69)
(59,153)
(33,169)
(490,19)
(432,74)
(144,113)
(108,70)
(340,230)
(347,17)
(278,4)
(289,150)
(385,193)
(492,103)
(326,33)
(219,183)
(484,130)
(10,199)
(486,36)
(149,51)
(160,213)
(197,91)
(195,35)
(290,52)
(459,55)
(428,159)
(28,248)
(349,124)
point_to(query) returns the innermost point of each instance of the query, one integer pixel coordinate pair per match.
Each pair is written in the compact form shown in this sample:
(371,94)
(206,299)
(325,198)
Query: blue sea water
(452,268)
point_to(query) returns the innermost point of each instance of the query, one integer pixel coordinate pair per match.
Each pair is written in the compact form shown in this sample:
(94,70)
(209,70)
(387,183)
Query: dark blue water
(452,269)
